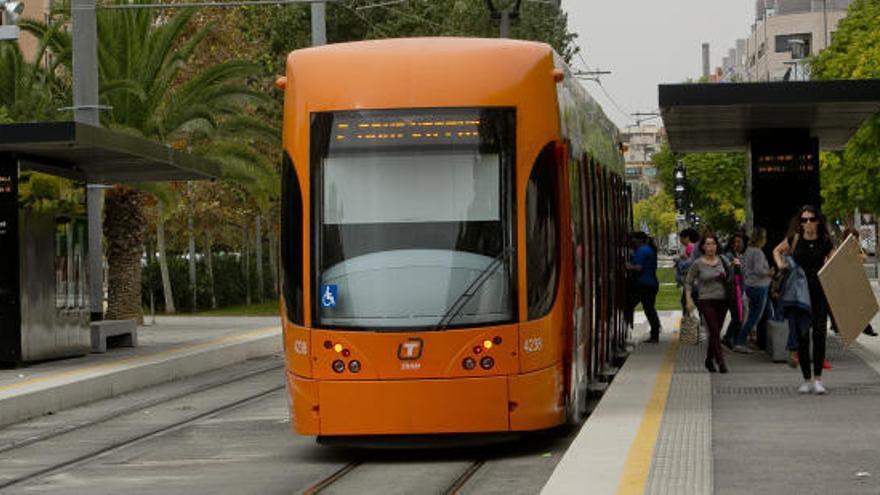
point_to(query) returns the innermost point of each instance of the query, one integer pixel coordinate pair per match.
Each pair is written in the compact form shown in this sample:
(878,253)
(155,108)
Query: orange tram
(453,238)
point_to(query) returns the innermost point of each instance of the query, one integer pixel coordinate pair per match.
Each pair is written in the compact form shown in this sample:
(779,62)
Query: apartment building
(640,143)
(784,34)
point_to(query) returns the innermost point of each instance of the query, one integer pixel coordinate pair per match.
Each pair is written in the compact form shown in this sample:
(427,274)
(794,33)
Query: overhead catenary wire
(617,106)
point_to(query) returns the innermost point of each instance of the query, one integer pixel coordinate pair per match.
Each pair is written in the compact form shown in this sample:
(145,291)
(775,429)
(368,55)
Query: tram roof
(100,155)
(725,116)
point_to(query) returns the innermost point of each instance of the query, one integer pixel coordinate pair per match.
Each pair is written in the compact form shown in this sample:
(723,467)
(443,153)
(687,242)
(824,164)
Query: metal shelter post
(85,103)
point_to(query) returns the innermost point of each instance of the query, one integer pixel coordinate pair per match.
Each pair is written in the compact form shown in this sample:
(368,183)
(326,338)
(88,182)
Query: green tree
(286,28)
(715,182)
(33,90)
(849,179)
(657,213)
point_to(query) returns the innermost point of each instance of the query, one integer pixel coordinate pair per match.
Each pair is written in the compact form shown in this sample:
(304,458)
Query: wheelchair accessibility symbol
(328,295)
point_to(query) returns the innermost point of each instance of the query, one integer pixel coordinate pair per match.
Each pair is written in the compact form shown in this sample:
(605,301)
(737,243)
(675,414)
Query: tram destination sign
(355,130)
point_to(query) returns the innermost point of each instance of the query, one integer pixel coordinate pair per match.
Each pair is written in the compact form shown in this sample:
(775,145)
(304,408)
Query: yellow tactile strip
(638,459)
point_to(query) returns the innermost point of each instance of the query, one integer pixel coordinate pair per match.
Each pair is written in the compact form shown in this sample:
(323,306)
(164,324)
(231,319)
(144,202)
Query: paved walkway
(744,432)
(176,347)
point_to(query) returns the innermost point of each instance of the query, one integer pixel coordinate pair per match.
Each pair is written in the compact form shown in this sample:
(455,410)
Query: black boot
(710,365)
(869,330)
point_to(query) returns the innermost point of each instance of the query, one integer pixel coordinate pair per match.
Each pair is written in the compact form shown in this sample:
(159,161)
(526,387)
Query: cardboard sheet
(848,291)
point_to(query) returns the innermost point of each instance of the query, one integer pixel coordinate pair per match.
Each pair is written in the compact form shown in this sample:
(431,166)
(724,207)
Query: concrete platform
(666,426)
(175,348)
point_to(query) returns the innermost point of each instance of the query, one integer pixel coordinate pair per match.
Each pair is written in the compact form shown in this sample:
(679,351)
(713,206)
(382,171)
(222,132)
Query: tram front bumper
(414,407)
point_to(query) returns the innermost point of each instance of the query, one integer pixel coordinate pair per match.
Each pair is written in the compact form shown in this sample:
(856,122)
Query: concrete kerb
(51,393)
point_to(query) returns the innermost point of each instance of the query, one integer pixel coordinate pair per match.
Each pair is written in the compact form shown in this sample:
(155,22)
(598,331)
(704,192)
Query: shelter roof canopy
(725,116)
(99,155)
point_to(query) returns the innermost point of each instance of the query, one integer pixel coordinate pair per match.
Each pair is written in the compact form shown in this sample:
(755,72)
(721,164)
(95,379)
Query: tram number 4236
(533,344)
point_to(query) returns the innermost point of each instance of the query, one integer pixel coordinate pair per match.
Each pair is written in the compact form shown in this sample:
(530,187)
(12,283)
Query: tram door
(579,317)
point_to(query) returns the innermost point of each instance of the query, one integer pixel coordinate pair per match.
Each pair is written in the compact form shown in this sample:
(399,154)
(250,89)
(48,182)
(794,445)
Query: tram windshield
(413,216)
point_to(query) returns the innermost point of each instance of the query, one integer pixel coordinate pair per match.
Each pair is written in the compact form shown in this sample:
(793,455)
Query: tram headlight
(487,363)
(354,366)
(468,363)
(338,366)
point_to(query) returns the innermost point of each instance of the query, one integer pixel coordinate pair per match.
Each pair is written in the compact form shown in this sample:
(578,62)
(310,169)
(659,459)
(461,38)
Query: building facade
(784,34)
(640,143)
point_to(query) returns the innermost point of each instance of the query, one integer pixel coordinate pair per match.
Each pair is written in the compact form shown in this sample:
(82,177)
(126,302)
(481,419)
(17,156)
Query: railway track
(453,487)
(89,455)
(139,406)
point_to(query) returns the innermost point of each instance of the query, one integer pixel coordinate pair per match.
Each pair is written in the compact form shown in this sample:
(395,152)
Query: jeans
(713,312)
(647,295)
(757,304)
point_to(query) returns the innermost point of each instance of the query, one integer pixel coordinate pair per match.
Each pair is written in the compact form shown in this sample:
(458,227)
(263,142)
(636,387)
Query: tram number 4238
(533,344)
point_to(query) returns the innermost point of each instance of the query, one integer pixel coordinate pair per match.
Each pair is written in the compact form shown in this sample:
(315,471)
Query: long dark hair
(795,227)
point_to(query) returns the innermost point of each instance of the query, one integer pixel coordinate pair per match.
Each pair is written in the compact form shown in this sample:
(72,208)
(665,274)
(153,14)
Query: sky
(649,42)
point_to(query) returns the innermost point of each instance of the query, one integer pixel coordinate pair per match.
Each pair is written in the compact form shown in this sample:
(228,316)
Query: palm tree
(147,82)
(31,90)
(161,102)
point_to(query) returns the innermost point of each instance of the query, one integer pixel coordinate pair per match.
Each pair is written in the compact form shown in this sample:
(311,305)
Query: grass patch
(669,296)
(257,309)
(666,275)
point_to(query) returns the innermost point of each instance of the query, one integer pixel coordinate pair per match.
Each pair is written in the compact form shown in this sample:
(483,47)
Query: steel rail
(132,409)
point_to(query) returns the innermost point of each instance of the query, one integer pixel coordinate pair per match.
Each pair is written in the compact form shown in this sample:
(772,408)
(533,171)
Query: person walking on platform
(643,266)
(756,276)
(735,251)
(710,275)
(686,257)
(809,245)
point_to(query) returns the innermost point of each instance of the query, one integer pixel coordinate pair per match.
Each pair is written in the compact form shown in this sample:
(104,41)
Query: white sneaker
(819,388)
(806,388)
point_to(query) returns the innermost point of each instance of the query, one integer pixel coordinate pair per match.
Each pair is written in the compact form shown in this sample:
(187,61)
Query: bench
(121,332)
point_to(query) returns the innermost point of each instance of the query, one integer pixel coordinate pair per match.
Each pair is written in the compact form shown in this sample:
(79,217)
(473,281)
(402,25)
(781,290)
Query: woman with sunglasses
(809,244)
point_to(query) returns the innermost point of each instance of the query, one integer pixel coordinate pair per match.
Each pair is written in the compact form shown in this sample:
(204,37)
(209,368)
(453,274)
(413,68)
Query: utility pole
(504,16)
(319,23)
(85,110)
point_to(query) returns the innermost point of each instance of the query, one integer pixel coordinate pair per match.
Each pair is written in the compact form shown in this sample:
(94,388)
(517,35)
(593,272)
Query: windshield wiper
(471,290)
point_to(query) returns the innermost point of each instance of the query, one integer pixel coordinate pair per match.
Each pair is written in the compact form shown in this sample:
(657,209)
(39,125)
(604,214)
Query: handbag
(689,332)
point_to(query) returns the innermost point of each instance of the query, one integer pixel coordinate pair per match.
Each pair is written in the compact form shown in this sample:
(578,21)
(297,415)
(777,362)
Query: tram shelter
(45,310)
(781,126)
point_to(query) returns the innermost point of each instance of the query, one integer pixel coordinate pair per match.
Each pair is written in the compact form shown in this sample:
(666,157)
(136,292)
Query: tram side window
(542,235)
(292,242)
